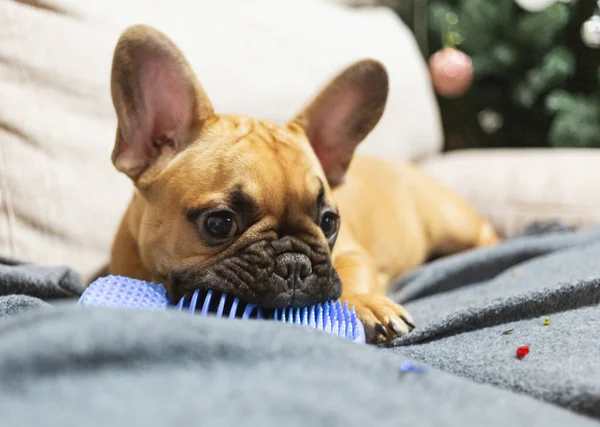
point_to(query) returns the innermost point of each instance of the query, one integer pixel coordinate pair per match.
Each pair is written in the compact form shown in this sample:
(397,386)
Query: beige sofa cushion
(517,187)
(61,200)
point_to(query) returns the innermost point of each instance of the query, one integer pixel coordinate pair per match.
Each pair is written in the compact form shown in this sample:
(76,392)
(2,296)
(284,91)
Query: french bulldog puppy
(278,215)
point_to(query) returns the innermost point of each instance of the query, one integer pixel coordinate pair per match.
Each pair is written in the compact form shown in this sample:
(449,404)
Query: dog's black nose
(293,267)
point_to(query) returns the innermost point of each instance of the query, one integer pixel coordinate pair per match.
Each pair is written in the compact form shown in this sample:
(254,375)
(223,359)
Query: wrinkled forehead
(271,165)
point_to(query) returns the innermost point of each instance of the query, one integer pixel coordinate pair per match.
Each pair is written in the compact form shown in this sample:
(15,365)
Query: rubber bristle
(221,305)
(194,301)
(234,306)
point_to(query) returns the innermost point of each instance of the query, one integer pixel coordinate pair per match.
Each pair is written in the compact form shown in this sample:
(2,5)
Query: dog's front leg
(382,318)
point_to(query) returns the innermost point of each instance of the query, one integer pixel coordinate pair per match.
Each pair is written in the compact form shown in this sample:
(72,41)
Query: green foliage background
(532,68)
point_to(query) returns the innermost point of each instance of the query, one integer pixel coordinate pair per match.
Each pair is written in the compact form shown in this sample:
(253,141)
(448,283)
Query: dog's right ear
(159,102)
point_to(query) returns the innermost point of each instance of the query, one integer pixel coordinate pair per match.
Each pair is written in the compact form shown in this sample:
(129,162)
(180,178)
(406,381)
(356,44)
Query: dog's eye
(220,225)
(329,224)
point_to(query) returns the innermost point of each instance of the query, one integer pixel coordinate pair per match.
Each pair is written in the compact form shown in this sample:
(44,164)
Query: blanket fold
(19,278)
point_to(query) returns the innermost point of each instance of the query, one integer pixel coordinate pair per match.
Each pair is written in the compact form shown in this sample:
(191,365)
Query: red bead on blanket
(522,351)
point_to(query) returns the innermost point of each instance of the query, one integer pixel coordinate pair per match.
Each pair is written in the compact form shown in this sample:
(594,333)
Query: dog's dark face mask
(271,273)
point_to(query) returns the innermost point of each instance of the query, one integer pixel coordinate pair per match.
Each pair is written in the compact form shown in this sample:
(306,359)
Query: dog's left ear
(343,114)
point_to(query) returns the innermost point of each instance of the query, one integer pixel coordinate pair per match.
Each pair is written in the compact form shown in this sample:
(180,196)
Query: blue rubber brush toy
(119,291)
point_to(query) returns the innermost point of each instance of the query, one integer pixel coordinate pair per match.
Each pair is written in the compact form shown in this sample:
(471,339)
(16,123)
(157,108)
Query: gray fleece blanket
(65,365)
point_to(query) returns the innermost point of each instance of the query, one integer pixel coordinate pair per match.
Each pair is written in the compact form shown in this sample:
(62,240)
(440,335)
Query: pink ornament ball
(451,72)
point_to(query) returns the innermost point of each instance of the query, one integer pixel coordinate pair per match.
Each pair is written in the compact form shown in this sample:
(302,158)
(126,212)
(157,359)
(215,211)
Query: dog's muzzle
(270,273)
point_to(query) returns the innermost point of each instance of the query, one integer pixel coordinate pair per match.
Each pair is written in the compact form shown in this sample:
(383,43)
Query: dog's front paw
(382,318)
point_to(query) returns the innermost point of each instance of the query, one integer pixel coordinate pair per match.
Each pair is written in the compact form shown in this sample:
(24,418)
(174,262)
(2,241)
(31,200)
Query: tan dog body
(247,207)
